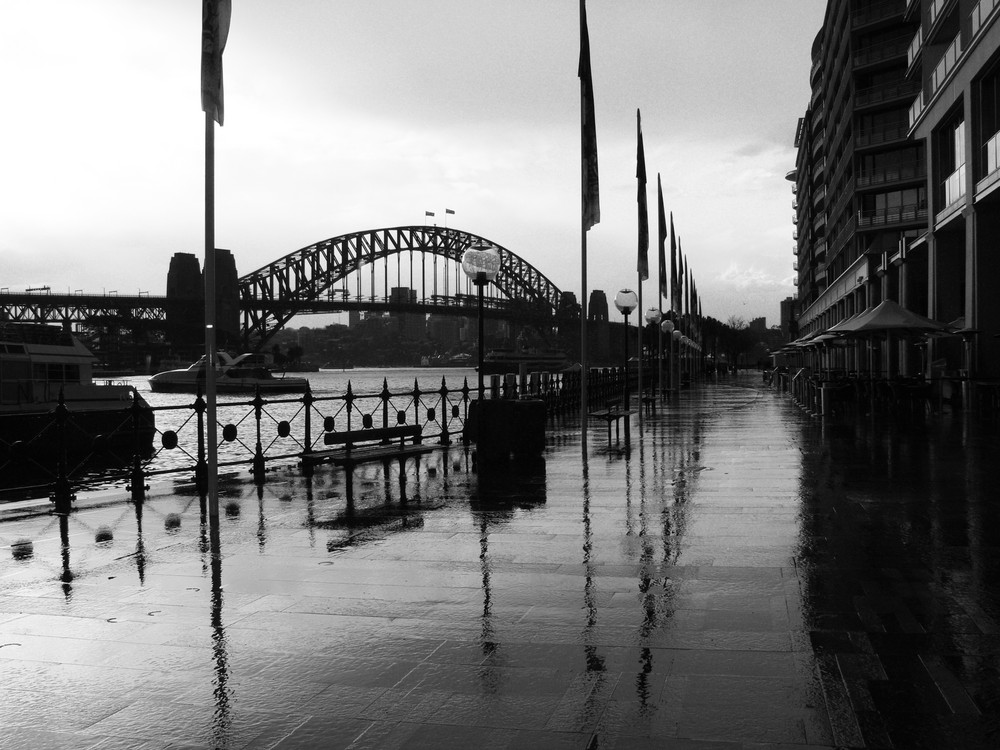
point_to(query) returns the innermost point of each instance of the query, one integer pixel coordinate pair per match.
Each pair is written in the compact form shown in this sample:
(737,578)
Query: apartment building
(954,58)
(860,192)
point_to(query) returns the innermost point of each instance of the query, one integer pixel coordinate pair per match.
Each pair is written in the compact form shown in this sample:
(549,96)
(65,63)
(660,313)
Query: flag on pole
(428,213)
(591,191)
(662,227)
(448,211)
(640,174)
(685,287)
(215,17)
(674,296)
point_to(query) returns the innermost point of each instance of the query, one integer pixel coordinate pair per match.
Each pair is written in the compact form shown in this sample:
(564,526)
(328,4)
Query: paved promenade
(743,577)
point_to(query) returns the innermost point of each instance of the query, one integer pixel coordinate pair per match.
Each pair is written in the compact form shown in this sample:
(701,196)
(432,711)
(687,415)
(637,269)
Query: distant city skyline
(356,115)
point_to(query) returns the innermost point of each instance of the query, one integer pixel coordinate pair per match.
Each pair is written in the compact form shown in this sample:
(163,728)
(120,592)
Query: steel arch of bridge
(272,295)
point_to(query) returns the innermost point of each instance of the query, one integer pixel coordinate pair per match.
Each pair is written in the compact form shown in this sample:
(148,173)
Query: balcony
(916,45)
(991,154)
(877,53)
(884,93)
(947,63)
(954,187)
(916,109)
(818,142)
(877,12)
(911,170)
(981,14)
(883,217)
(885,134)
(937,8)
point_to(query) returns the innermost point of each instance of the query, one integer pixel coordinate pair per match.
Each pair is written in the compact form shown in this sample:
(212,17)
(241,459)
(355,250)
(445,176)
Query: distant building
(789,312)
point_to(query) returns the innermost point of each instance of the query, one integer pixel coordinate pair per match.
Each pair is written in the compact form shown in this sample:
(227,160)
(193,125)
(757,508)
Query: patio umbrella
(891,317)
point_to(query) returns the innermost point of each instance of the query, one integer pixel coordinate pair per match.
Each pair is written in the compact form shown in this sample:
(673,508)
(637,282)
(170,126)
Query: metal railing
(258,432)
(889,216)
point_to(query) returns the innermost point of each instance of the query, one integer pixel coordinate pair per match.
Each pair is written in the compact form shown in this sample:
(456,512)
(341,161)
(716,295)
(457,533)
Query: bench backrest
(374,435)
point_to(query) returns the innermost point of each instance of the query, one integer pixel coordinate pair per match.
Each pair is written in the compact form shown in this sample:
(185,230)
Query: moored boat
(242,374)
(49,402)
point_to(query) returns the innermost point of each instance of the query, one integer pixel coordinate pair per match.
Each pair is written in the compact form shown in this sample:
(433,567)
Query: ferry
(42,366)
(502,361)
(245,373)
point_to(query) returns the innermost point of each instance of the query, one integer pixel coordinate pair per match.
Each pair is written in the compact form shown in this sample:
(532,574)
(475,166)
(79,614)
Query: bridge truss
(307,280)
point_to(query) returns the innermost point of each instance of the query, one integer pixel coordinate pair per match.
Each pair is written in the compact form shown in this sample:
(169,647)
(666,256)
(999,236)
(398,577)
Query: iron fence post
(258,456)
(62,494)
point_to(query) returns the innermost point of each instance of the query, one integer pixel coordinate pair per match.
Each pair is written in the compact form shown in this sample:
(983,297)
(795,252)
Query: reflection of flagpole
(214,30)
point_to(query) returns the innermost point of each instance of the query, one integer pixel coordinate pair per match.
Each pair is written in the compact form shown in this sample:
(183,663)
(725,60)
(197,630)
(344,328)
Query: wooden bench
(613,412)
(384,444)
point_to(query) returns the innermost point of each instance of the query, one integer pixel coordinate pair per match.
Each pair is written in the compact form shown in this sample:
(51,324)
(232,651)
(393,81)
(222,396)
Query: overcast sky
(343,115)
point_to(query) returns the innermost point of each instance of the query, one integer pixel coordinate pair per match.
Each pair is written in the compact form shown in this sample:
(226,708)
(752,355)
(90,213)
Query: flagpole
(584,369)
(590,210)
(214,31)
(638,323)
(211,437)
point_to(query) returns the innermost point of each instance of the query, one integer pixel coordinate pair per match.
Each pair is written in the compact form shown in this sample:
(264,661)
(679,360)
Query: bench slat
(376,434)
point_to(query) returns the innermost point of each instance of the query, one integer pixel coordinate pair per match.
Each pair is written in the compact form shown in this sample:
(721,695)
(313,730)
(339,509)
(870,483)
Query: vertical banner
(661,225)
(215,18)
(640,174)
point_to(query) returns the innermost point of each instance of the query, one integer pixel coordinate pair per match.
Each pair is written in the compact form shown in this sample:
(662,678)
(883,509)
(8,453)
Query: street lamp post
(653,316)
(626,301)
(667,327)
(481,264)
(677,336)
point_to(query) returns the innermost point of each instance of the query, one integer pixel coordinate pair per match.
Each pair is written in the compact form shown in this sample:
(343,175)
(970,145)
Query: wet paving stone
(741,577)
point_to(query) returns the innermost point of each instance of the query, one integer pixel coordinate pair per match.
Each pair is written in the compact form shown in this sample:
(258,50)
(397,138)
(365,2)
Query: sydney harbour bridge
(408,269)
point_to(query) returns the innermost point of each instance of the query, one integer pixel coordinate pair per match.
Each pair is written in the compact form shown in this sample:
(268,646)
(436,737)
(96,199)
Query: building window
(950,140)
(989,119)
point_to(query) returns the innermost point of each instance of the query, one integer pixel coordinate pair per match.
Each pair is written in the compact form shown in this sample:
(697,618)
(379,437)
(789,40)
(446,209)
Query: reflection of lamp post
(626,301)
(481,265)
(653,316)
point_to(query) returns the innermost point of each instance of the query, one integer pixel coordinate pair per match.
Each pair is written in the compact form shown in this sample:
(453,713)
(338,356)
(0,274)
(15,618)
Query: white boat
(43,366)
(242,374)
(502,361)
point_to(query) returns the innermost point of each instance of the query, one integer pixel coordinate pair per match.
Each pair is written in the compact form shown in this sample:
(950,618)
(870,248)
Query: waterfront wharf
(741,576)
